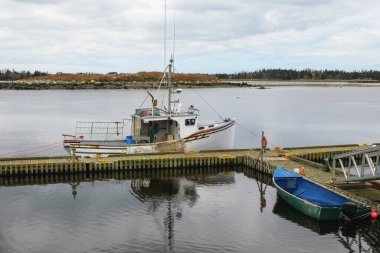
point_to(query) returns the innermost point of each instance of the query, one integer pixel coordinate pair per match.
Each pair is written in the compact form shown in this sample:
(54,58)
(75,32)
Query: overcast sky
(212,36)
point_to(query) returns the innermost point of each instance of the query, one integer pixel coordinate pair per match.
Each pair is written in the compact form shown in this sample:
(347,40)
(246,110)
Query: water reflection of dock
(285,211)
(356,237)
(164,196)
(140,178)
(16,170)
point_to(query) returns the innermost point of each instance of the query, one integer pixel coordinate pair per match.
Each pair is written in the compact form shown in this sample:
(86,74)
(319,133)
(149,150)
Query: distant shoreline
(310,83)
(22,85)
(259,84)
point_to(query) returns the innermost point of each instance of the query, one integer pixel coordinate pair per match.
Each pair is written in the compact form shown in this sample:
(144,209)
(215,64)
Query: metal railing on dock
(357,165)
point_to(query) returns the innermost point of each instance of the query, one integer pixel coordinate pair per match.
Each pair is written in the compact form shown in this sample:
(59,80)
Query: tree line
(308,74)
(262,74)
(9,75)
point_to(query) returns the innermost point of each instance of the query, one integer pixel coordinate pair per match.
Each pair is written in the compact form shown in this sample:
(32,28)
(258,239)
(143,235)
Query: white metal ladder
(366,169)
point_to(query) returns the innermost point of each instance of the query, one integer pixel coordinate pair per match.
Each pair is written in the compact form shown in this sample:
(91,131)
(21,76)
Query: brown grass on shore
(135,77)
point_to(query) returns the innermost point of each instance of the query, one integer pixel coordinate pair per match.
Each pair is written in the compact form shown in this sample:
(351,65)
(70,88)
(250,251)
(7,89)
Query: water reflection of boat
(154,187)
(285,211)
(163,188)
(168,193)
(225,177)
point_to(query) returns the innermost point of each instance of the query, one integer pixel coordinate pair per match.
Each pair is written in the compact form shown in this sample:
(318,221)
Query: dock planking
(310,158)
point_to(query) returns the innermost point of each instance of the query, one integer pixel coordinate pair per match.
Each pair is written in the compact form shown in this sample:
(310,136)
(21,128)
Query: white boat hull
(92,150)
(218,136)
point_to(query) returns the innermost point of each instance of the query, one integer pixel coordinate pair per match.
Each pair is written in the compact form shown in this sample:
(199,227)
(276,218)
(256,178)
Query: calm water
(297,116)
(217,212)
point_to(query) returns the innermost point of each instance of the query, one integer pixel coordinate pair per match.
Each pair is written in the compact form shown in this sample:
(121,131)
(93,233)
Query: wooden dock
(173,164)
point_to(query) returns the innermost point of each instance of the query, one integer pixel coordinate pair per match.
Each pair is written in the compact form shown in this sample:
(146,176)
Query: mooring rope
(240,125)
(39,151)
(33,150)
(256,135)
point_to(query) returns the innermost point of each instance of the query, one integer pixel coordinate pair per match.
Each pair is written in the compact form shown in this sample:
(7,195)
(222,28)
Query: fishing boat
(315,200)
(153,130)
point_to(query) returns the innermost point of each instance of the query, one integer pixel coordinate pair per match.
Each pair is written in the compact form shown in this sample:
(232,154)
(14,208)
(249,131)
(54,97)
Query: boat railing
(100,130)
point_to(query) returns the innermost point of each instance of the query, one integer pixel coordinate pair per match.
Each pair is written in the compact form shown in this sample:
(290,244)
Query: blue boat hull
(312,199)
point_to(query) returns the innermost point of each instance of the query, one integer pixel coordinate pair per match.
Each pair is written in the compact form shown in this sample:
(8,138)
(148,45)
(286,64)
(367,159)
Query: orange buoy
(302,172)
(374,214)
(264,141)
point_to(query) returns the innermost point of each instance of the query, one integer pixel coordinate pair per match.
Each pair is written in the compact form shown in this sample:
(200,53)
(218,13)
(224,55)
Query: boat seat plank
(299,193)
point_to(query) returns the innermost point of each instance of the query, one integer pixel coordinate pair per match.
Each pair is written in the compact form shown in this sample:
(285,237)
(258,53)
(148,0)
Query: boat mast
(165,37)
(170,85)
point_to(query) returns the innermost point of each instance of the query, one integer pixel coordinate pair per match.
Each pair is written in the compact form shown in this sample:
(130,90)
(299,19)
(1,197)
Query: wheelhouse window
(189,122)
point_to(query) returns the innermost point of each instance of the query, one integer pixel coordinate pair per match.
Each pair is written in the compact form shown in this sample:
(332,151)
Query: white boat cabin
(150,125)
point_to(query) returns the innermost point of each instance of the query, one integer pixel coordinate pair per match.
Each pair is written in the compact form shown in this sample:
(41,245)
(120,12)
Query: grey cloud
(39,1)
(87,32)
(200,6)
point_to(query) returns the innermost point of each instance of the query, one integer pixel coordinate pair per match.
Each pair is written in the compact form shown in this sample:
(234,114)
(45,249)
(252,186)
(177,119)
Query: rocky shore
(93,85)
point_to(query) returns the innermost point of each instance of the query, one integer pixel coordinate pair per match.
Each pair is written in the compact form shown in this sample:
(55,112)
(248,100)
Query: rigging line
(208,104)
(162,79)
(143,102)
(39,151)
(33,148)
(254,134)
(159,86)
(249,131)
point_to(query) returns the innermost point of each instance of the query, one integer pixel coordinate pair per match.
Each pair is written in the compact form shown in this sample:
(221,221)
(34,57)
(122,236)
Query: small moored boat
(315,200)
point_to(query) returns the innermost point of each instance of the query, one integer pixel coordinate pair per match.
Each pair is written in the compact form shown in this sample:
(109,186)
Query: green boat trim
(323,211)
(308,208)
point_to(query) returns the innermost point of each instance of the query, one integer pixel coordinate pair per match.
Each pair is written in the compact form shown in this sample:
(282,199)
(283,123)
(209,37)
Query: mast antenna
(165,38)
(173,40)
